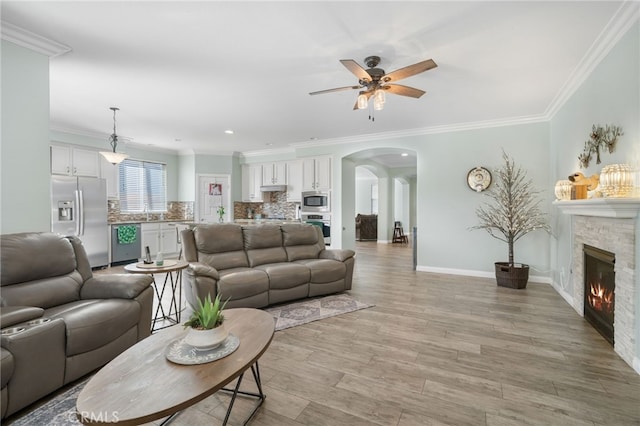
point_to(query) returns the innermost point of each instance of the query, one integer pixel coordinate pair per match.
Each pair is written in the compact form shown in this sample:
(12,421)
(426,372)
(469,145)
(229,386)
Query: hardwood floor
(439,350)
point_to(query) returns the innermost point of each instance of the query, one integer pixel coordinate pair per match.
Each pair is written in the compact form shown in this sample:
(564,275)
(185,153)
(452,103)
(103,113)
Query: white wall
(363,193)
(24,153)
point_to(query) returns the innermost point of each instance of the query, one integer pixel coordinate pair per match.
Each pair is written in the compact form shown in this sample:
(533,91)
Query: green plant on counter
(207,315)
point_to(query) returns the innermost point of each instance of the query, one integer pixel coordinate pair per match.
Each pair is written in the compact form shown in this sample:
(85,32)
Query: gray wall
(24,153)
(610,95)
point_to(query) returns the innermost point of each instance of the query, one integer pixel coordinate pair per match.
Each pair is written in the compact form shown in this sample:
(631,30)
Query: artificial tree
(514,212)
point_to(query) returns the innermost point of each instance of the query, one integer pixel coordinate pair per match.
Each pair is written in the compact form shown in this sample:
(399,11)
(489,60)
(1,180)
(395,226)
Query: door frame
(226,199)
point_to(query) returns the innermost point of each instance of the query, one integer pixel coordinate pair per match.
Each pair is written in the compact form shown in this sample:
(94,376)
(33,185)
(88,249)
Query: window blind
(143,186)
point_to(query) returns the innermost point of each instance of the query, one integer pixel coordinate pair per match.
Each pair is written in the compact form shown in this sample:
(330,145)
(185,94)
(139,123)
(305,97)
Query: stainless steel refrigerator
(79,207)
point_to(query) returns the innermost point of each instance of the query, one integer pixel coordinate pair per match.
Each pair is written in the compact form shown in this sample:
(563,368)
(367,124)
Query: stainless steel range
(322,220)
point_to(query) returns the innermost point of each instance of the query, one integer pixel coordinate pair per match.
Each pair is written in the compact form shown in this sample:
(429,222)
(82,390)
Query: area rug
(59,409)
(306,311)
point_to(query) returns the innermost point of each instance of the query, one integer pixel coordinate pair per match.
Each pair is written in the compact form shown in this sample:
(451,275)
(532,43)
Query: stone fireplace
(611,227)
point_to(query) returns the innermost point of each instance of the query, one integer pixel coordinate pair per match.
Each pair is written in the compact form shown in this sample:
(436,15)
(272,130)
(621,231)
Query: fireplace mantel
(623,208)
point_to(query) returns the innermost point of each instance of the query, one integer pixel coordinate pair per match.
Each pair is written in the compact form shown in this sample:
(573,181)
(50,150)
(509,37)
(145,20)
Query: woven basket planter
(515,276)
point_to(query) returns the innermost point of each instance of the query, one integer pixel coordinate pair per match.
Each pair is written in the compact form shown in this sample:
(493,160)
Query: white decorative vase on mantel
(204,339)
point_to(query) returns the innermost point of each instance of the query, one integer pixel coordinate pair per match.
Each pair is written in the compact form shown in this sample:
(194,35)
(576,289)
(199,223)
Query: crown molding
(626,15)
(89,134)
(448,128)
(226,153)
(33,41)
(262,152)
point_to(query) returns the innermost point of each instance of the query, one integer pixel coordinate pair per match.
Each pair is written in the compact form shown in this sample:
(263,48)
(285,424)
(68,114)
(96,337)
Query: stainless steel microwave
(313,201)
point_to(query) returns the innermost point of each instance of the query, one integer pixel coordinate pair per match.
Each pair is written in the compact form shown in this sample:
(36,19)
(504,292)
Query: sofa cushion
(324,270)
(44,293)
(285,275)
(220,245)
(301,241)
(7,364)
(263,245)
(35,256)
(240,283)
(93,323)
(44,266)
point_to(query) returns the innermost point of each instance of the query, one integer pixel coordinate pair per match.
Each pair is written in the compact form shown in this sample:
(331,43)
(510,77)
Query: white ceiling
(184,72)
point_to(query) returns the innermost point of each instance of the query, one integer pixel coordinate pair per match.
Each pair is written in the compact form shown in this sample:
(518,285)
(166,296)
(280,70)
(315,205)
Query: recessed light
(229,131)
(269,143)
(404,154)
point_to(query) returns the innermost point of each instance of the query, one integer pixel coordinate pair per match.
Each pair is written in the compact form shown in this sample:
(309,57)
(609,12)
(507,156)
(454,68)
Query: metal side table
(173,278)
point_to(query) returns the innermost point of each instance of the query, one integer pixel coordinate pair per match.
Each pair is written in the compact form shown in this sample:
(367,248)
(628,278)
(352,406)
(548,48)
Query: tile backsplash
(176,210)
(274,206)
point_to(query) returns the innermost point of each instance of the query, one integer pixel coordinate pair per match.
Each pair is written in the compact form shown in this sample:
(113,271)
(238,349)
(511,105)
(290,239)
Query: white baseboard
(384,242)
(473,273)
(566,296)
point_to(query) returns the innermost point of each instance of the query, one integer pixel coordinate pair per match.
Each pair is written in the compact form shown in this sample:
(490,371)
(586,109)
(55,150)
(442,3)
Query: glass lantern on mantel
(616,181)
(563,190)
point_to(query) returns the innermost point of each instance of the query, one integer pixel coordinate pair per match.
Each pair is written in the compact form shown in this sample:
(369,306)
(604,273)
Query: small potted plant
(515,212)
(206,323)
(220,214)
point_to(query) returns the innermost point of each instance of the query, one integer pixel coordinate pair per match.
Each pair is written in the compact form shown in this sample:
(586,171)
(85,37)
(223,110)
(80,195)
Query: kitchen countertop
(257,221)
(130,222)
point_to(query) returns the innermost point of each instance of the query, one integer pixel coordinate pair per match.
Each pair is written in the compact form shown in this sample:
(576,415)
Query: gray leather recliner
(59,322)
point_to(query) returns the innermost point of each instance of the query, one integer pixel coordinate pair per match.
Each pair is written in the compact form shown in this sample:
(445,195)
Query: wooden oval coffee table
(141,385)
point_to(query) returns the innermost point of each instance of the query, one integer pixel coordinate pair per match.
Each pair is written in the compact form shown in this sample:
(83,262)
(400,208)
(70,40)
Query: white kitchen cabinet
(179,228)
(274,173)
(169,238)
(160,237)
(110,173)
(294,181)
(72,161)
(251,182)
(150,238)
(316,174)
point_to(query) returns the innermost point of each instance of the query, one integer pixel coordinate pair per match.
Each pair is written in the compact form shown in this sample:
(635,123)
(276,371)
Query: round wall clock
(479,179)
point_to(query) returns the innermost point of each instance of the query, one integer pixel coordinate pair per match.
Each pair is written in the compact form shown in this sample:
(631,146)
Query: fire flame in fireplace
(600,298)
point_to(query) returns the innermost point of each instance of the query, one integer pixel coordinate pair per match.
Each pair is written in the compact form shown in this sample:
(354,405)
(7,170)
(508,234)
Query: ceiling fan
(375,82)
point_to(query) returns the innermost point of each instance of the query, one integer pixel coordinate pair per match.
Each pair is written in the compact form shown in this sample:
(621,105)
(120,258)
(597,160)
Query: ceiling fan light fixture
(363,102)
(377,105)
(112,156)
(379,96)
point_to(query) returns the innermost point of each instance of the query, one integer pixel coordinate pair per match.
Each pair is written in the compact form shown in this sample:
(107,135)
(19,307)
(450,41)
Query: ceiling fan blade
(369,94)
(399,89)
(410,70)
(337,89)
(356,69)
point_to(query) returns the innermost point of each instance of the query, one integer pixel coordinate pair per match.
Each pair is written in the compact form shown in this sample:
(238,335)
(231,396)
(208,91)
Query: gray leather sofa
(261,265)
(59,322)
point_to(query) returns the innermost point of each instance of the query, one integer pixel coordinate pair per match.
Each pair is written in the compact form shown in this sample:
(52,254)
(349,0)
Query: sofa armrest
(200,269)
(12,315)
(115,286)
(337,254)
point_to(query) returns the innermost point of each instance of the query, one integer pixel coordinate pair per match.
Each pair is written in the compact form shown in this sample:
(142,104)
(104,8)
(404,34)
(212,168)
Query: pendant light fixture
(112,156)
(363,103)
